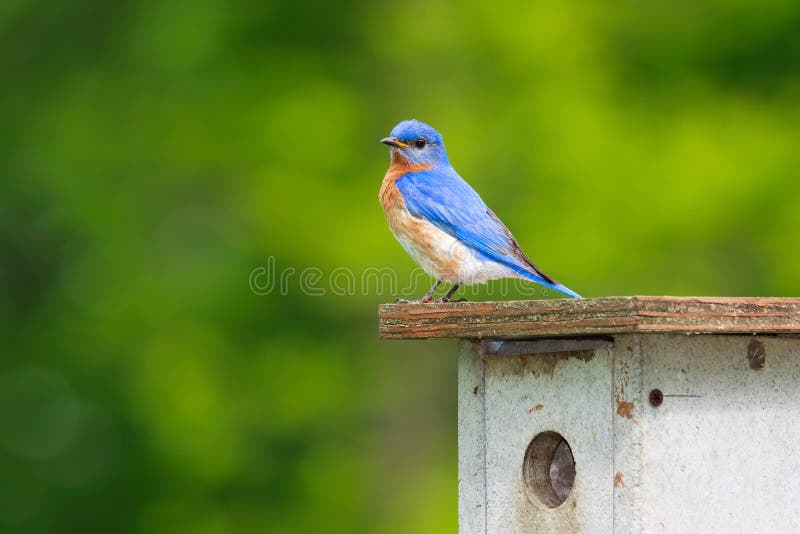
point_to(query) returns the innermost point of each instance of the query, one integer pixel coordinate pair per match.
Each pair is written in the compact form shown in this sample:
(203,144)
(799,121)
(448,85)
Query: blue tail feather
(565,290)
(558,287)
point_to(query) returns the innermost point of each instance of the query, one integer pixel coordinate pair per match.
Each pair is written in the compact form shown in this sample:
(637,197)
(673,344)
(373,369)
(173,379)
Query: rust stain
(756,355)
(536,408)
(623,378)
(618,480)
(540,364)
(625,409)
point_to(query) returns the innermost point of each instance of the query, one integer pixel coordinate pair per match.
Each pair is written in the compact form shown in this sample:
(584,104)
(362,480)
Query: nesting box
(622,414)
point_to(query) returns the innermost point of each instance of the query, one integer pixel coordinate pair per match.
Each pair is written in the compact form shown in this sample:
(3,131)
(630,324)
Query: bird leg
(425,298)
(449,294)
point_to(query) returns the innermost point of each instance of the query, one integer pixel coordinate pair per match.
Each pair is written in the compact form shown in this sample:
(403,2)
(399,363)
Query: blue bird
(442,222)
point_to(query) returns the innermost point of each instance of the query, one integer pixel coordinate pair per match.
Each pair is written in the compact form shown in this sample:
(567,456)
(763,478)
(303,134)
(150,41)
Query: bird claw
(424,300)
(414,301)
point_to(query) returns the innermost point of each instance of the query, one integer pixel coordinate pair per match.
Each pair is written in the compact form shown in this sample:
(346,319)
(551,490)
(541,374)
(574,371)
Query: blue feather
(442,197)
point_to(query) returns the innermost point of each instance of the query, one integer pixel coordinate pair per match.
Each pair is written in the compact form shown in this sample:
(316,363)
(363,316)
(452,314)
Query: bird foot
(413,301)
(445,299)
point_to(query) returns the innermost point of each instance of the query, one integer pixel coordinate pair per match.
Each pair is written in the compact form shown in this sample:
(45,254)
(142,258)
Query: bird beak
(393,141)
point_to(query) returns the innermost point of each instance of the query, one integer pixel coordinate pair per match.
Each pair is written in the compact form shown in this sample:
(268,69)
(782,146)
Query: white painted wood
(628,405)
(566,392)
(471,440)
(721,453)
(727,460)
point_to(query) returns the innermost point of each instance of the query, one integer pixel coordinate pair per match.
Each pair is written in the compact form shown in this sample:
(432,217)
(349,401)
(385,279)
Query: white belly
(446,258)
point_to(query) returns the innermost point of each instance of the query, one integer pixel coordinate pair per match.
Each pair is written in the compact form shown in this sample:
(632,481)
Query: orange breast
(401,222)
(422,240)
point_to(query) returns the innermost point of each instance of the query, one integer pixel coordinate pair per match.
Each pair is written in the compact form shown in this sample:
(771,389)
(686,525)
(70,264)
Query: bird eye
(420,143)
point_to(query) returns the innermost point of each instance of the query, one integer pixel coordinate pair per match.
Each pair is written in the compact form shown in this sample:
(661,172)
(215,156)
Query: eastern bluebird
(442,222)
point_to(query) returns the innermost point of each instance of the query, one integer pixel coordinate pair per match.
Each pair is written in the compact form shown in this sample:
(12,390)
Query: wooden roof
(594,316)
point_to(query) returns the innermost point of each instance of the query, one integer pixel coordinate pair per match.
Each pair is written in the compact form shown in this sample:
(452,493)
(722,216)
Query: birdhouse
(622,414)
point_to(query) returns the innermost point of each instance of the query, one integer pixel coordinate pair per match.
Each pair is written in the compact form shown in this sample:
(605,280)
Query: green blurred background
(154,154)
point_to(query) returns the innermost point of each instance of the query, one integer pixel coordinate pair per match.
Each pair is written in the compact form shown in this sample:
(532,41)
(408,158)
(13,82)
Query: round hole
(548,469)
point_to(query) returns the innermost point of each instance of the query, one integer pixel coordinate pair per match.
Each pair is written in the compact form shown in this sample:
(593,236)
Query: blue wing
(442,197)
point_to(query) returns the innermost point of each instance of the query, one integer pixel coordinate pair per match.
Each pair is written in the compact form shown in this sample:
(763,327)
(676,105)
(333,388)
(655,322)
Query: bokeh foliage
(153,154)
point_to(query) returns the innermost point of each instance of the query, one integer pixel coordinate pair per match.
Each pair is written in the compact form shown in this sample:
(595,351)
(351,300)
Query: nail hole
(656,398)
(548,469)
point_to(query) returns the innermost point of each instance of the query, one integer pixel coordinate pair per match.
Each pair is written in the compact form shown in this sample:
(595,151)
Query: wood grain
(600,316)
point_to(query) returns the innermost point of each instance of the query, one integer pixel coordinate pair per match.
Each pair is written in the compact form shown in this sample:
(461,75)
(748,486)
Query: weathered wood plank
(600,316)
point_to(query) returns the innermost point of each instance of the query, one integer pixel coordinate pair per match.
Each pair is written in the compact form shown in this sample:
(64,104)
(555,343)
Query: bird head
(416,143)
